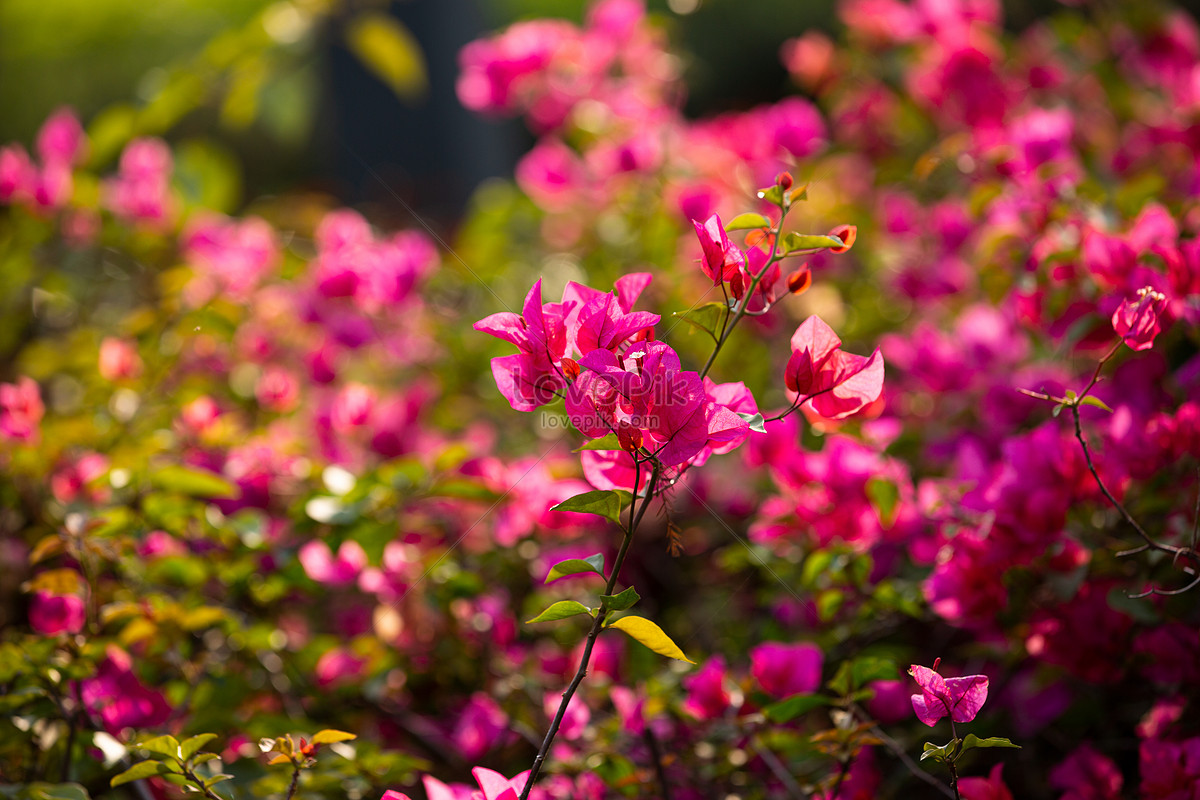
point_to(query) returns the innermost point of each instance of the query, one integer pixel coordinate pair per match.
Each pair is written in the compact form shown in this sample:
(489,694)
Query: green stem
(743,305)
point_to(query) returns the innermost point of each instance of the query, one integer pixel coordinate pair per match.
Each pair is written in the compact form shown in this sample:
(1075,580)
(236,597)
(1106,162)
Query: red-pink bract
(838,383)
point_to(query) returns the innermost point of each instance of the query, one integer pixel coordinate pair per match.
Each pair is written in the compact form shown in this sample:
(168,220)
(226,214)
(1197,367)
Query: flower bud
(847,233)
(799,281)
(570,368)
(784,180)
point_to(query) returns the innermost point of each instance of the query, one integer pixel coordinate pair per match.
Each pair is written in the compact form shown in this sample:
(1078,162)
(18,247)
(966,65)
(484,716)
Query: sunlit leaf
(747,221)
(560,610)
(708,318)
(329,736)
(189,747)
(138,771)
(193,482)
(604,503)
(650,635)
(576,566)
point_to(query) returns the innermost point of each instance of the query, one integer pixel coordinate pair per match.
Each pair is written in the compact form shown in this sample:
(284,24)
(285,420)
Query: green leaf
(650,635)
(162,745)
(1095,401)
(708,318)
(884,495)
(1057,410)
(858,672)
(193,482)
(748,221)
(330,736)
(560,610)
(138,771)
(939,753)
(608,442)
(189,747)
(795,706)
(389,49)
(603,503)
(621,600)
(866,669)
(772,194)
(755,421)
(51,791)
(791,242)
(215,779)
(972,741)
(574,566)
(203,758)
(463,489)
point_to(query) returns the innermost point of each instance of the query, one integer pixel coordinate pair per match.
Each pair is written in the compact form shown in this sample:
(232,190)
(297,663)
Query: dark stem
(635,517)
(295,781)
(204,787)
(656,757)
(841,778)
(898,751)
(954,780)
(1175,552)
(777,768)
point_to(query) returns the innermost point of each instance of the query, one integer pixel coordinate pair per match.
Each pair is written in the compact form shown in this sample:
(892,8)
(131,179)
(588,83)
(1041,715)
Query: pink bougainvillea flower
(531,378)
(1136,320)
(837,384)
(960,698)
(392,794)
(648,389)
(21,410)
(52,614)
(436,790)
(119,698)
(61,138)
(1087,775)
(119,359)
(990,788)
(141,190)
(497,787)
(722,260)
(320,564)
(481,725)
(707,696)
(783,670)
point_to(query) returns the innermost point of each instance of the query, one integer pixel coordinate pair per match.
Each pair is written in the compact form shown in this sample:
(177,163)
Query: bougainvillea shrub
(899,370)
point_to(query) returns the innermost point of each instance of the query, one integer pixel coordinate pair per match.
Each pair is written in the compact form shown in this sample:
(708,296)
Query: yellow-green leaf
(194,482)
(560,610)
(650,635)
(189,747)
(389,49)
(329,736)
(138,771)
(747,221)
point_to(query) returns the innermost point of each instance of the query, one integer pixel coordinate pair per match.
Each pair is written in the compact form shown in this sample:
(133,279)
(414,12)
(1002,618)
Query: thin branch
(635,518)
(779,771)
(898,751)
(1149,542)
(656,757)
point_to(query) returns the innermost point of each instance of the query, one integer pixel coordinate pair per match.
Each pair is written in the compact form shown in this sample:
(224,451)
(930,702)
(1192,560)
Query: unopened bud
(799,281)
(570,368)
(847,233)
(784,180)
(629,437)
